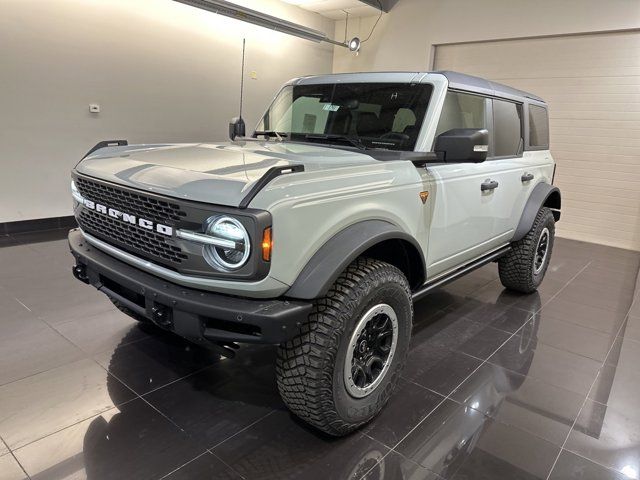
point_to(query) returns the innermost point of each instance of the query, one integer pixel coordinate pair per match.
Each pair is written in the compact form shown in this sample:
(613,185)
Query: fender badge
(424,196)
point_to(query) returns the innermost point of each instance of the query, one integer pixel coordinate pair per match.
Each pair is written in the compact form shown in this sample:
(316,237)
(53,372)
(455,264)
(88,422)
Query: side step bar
(439,282)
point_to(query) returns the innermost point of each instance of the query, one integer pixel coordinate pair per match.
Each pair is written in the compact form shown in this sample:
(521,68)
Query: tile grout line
(448,397)
(61,335)
(207,449)
(206,452)
(617,473)
(89,354)
(10,452)
(586,399)
(86,355)
(183,465)
(391,451)
(241,430)
(195,372)
(531,316)
(138,396)
(230,467)
(18,300)
(79,421)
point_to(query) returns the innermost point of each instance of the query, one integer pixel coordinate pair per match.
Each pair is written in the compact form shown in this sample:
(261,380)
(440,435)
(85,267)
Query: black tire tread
(305,364)
(516,267)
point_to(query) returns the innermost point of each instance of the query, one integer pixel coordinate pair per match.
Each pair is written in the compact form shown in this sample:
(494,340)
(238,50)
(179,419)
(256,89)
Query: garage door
(592,85)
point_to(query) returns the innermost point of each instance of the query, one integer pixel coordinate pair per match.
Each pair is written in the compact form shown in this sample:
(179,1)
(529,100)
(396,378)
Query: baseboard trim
(37,225)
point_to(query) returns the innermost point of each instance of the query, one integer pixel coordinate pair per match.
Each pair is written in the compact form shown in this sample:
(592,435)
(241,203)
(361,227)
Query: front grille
(159,211)
(131,237)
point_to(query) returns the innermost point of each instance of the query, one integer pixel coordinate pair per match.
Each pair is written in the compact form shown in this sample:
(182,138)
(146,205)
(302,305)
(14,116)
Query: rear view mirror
(464,145)
(236,128)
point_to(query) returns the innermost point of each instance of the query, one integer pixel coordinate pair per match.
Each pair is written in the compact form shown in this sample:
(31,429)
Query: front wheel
(341,369)
(523,268)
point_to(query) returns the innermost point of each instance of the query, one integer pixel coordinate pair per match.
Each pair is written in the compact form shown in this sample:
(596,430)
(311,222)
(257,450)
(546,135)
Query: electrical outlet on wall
(94,108)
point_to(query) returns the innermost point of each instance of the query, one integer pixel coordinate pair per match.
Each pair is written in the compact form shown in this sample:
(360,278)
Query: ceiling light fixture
(299,2)
(244,14)
(354,44)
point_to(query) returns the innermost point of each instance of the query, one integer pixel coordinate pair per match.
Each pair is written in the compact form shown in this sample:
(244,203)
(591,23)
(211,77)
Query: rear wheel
(341,369)
(524,267)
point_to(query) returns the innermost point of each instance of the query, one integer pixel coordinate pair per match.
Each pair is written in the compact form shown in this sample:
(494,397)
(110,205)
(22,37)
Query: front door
(474,202)
(467,199)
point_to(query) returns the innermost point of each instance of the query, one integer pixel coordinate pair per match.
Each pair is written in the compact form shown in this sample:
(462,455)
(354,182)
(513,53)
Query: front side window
(462,110)
(507,129)
(376,115)
(538,126)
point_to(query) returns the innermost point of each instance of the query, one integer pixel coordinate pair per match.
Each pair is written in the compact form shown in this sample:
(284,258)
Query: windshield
(366,115)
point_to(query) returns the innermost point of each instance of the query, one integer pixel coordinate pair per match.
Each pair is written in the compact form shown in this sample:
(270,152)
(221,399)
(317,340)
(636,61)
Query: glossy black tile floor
(497,385)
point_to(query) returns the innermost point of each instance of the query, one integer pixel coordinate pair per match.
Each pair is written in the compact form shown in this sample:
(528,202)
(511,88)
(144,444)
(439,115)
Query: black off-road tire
(310,367)
(516,268)
(129,312)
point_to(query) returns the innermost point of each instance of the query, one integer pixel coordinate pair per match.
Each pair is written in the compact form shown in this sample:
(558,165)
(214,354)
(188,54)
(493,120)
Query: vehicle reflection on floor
(494,386)
(451,436)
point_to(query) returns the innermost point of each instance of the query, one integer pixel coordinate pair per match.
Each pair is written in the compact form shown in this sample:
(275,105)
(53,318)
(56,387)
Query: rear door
(506,155)
(519,172)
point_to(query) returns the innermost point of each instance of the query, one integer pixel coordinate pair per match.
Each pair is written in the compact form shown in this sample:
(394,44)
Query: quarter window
(461,110)
(538,126)
(507,129)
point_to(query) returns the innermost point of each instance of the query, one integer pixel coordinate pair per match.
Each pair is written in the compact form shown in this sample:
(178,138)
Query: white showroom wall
(161,71)
(405,37)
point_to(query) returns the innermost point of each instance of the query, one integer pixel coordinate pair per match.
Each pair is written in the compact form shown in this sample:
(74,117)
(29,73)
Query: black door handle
(526,177)
(489,185)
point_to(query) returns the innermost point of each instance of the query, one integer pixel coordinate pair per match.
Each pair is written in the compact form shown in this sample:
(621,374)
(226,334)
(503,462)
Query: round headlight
(232,257)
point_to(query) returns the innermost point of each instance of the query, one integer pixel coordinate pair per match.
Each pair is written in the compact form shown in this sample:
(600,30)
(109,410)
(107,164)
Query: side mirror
(464,145)
(236,128)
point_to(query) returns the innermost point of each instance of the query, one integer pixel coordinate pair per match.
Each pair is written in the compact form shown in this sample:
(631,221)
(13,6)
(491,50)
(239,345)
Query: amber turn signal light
(267,244)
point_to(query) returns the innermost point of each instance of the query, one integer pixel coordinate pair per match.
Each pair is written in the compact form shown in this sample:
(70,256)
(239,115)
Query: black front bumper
(196,315)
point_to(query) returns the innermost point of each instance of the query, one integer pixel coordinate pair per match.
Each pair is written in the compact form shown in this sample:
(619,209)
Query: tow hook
(162,316)
(80,272)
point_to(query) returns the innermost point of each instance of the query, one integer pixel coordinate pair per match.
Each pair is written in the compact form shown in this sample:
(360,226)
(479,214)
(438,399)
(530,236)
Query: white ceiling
(336,8)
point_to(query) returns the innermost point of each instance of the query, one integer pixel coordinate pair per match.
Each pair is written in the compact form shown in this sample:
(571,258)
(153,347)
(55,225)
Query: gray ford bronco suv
(355,196)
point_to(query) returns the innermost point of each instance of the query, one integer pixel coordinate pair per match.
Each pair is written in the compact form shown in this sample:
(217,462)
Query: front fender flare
(337,253)
(539,196)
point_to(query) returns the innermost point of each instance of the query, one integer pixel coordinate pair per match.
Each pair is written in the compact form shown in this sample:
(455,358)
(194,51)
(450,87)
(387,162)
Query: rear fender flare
(543,194)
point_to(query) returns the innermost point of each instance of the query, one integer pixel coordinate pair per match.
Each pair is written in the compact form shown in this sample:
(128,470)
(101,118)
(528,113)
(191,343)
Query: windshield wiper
(355,141)
(270,133)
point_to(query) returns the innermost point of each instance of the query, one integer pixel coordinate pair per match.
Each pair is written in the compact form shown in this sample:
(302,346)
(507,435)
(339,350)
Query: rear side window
(538,126)
(507,129)
(461,110)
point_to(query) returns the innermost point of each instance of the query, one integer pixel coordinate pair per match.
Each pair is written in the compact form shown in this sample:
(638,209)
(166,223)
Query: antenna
(244,42)
(237,126)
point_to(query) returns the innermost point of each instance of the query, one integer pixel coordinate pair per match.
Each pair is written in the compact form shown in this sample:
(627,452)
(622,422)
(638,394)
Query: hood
(214,173)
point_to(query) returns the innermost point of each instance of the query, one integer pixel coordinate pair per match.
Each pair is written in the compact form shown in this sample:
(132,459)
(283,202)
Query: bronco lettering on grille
(128,218)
